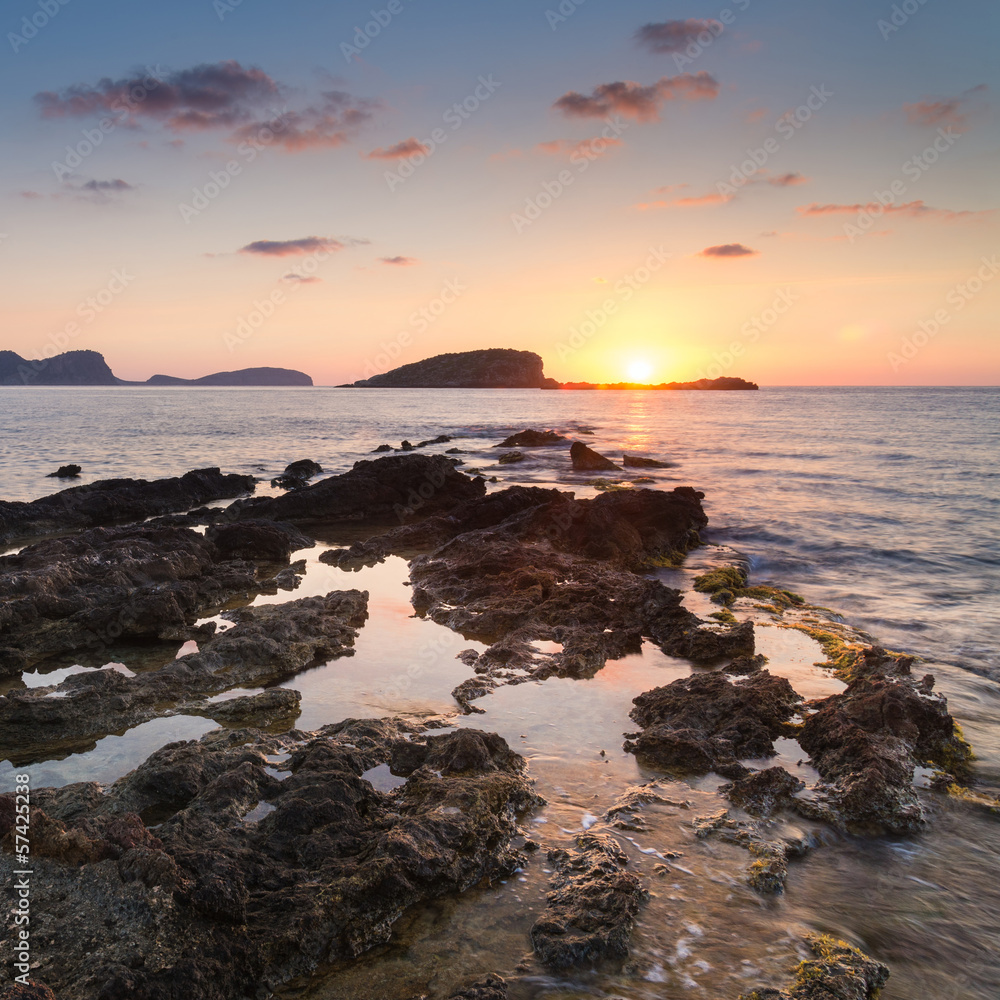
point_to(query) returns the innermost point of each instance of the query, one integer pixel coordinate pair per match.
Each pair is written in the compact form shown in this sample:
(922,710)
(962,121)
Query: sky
(795,193)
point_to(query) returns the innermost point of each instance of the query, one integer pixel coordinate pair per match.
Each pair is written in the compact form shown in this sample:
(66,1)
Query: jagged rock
(266,541)
(113,501)
(763,792)
(268,645)
(491,988)
(31,991)
(638,462)
(510,458)
(531,439)
(587,460)
(394,489)
(256,876)
(838,972)
(592,906)
(86,591)
(706,722)
(66,472)
(709,644)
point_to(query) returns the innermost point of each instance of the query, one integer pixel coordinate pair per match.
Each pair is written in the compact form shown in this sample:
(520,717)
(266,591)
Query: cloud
(911,209)
(29,195)
(946,112)
(632,100)
(244,101)
(712,198)
(729,250)
(721,197)
(567,147)
(786,180)
(400,261)
(114,185)
(301,279)
(676,36)
(401,151)
(291,248)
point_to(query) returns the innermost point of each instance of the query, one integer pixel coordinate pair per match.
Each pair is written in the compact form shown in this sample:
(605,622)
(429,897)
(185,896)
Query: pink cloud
(291,248)
(401,151)
(676,36)
(911,209)
(725,250)
(632,100)
(399,261)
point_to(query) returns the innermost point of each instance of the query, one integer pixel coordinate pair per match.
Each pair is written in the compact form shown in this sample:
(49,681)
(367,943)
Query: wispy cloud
(401,151)
(721,197)
(292,248)
(302,279)
(632,100)
(950,112)
(676,36)
(399,261)
(728,250)
(911,209)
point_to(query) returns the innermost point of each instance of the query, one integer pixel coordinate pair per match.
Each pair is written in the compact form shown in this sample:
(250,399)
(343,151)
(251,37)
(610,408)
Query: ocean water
(879,503)
(883,504)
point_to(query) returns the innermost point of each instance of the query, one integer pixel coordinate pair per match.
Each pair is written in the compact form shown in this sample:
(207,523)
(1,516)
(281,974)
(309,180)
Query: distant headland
(503,368)
(89,368)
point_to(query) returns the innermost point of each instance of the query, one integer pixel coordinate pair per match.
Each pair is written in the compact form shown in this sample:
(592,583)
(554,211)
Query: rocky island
(90,368)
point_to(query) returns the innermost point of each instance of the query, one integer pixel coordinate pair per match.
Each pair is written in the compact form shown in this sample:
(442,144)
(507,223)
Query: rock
(587,460)
(31,991)
(393,489)
(592,906)
(66,472)
(297,474)
(702,643)
(264,541)
(440,439)
(866,741)
(87,591)
(491,988)
(706,722)
(70,368)
(112,501)
(743,666)
(763,792)
(638,462)
(494,368)
(269,644)
(531,439)
(510,457)
(382,448)
(251,879)
(259,710)
(837,972)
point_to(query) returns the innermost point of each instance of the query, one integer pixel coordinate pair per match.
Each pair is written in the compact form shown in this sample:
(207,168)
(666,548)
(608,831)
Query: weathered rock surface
(866,741)
(706,722)
(639,462)
(297,474)
(838,971)
(531,439)
(511,458)
(587,460)
(386,490)
(268,645)
(264,541)
(592,906)
(113,501)
(258,871)
(86,591)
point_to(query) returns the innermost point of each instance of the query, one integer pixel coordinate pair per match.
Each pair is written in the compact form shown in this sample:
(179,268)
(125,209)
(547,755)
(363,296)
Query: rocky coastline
(278,850)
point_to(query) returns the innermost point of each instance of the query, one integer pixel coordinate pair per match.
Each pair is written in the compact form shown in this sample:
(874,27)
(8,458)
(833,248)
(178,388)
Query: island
(726,383)
(88,368)
(493,368)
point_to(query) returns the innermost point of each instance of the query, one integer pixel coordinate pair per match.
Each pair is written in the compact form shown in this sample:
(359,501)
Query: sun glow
(639,370)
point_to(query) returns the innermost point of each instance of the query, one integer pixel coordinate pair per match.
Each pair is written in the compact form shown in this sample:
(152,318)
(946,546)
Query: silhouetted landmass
(90,368)
(724,383)
(494,368)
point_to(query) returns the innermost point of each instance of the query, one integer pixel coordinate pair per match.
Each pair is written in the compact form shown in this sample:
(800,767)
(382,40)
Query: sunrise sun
(639,370)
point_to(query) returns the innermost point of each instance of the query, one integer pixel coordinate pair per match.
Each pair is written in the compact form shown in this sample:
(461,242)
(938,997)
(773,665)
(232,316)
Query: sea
(880,504)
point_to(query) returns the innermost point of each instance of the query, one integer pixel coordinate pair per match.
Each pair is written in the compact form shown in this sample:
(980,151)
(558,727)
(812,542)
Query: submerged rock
(587,460)
(65,472)
(252,878)
(838,971)
(592,907)
(531,439)
(639,462)
(510,458)
(113,501)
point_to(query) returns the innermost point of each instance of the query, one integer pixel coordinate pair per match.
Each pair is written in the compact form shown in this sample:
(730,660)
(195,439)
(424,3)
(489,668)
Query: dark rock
(264,541)
(70,368)
(743,666)
(32,991)
(592,906)
(763,792)
(397,488)
(638,462)
(709,644)
(531,439)
(440,439)
(268,645)
(587,460)
(491,988)
(837,972)
(229,895)
(510,457)
(66,472)
(382,448)
(112,501)
(706,722)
